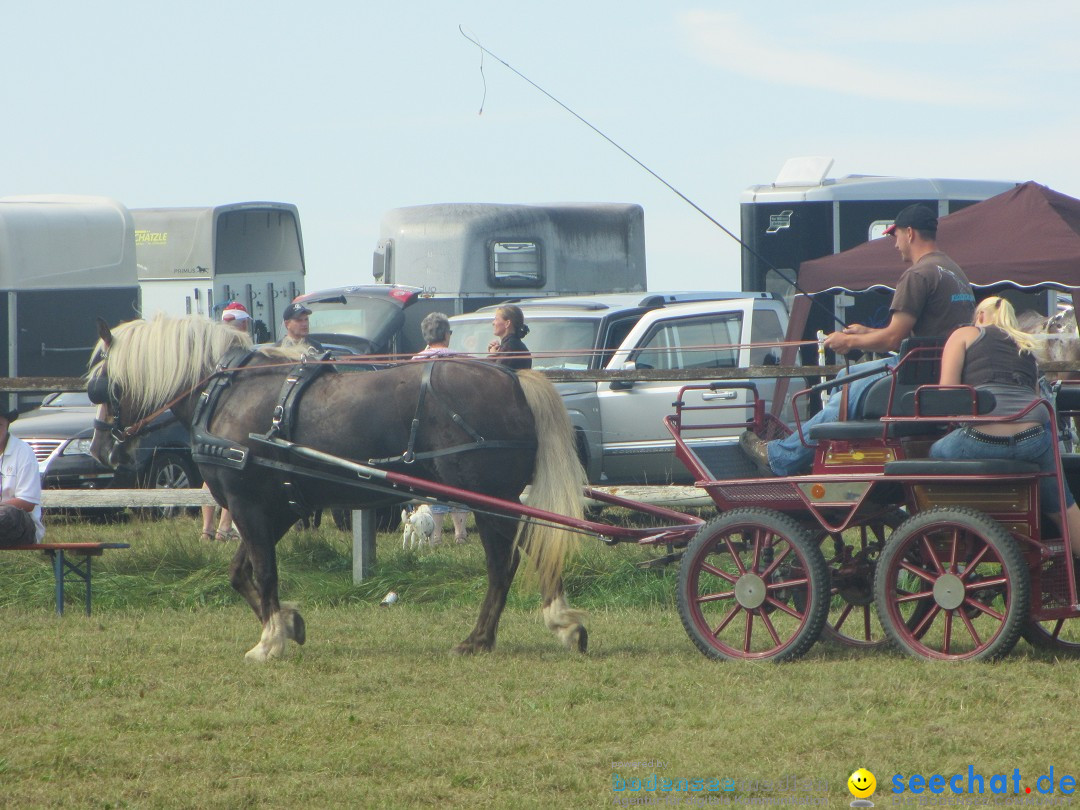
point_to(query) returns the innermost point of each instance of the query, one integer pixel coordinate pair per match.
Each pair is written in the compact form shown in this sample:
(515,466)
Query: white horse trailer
(64,261)
(194,261)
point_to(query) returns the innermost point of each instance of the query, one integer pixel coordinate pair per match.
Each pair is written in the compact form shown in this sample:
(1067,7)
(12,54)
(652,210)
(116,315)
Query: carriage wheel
(852,620)
(752,585)
(952,584)
(1056,635)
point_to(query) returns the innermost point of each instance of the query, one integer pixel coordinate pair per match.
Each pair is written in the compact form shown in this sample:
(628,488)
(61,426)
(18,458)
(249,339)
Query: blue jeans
(789,456)
(1037,449)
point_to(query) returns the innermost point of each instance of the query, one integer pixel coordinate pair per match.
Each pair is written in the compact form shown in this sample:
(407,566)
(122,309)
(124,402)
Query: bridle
(101,392)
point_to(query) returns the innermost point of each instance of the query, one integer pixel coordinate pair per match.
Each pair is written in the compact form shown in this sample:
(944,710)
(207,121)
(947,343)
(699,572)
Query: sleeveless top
(995,362)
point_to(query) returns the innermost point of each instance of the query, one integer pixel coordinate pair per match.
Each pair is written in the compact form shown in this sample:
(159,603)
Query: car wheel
(169,471)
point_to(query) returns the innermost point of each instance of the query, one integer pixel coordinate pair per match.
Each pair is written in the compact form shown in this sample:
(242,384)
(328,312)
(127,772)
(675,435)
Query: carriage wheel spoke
(983,608)
(759,537)
(776,562)
(788,609)
(919,630)
(734,555)
(975,562)
(726,620)
(718,572)
(970,627)
(769,626)
(748,632)
(714,597)
(946,643)
(932,554)
(911,568)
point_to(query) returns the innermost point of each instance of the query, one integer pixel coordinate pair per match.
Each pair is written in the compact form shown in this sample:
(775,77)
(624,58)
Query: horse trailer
(804,215)
(64,261)
(496,252)
(194,261)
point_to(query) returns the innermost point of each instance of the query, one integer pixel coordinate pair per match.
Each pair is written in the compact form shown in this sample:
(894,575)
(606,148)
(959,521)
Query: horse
(500,431)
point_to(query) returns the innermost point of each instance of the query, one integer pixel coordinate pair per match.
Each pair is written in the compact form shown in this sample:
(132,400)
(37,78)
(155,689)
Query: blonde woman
(995,355)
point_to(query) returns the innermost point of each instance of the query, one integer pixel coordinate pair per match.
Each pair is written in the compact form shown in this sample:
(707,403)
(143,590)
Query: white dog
(418,526)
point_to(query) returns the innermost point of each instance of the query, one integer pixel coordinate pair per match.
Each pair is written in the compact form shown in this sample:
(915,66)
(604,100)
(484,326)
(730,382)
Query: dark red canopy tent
(1028,236)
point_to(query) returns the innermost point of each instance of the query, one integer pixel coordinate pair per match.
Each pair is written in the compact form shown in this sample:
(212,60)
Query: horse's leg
(243,581)
(260,533)
(497,536)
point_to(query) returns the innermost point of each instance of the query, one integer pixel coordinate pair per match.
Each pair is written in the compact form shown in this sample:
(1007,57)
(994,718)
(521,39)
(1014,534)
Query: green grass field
(149,703)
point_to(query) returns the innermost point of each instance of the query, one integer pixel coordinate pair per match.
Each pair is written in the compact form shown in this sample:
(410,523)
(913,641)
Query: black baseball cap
(294,310)
(916,216)
(10,416)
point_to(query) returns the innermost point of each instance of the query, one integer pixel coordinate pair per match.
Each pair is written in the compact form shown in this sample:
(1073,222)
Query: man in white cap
(20,488)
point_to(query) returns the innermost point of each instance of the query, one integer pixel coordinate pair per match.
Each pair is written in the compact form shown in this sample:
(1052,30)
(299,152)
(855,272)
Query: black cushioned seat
(986,466)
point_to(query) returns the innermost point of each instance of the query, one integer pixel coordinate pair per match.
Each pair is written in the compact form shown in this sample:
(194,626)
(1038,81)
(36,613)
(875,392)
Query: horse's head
(110,445)
(143,368)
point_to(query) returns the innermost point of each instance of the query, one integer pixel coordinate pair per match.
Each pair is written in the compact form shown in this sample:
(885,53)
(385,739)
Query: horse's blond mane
(154,361)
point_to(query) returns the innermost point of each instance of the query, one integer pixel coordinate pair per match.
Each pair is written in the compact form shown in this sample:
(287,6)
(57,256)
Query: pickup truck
(619,424)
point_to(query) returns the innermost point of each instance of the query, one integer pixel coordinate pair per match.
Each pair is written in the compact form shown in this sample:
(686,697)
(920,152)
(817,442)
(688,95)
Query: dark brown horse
(141,366)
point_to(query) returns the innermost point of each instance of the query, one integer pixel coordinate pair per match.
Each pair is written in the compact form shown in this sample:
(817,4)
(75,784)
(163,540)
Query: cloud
(860,55)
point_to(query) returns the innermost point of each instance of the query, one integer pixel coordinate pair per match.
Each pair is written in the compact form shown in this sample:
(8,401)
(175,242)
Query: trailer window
(515,264)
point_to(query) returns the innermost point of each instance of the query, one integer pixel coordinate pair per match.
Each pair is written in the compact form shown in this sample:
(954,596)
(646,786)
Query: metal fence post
(363,543)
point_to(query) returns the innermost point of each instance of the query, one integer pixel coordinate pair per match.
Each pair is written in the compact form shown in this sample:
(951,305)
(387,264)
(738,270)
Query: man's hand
(855,329)
(841,342)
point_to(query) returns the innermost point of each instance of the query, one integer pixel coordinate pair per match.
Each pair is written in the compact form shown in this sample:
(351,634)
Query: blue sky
(350,109)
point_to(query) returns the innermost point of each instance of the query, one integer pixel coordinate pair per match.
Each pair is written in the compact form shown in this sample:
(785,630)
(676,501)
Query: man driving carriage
(932,298)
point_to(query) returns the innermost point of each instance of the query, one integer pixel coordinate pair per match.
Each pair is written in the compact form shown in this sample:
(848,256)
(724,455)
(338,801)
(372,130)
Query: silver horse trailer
(492,252)
(194,261)
(64,261)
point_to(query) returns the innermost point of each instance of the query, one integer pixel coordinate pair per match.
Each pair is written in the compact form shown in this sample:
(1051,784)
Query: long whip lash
(676,191)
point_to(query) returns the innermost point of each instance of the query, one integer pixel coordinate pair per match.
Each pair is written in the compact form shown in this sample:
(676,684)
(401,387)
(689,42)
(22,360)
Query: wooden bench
(63,566)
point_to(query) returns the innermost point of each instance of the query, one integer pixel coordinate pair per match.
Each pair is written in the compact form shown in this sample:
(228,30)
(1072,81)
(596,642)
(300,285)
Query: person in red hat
(236,316)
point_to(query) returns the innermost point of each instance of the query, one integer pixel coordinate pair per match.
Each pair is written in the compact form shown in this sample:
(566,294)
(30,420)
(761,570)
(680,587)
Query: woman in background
(508,348)
(435,330)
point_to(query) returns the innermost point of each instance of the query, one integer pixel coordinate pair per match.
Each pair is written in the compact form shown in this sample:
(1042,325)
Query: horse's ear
(104,332)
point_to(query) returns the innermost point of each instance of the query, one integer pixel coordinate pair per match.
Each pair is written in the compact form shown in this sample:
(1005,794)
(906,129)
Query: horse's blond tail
(558,479)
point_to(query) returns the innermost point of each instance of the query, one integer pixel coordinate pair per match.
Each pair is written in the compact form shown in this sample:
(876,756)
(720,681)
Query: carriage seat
(948,466)
(913,370)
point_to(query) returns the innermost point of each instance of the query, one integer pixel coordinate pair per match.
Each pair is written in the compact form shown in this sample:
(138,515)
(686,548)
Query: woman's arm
(952,357)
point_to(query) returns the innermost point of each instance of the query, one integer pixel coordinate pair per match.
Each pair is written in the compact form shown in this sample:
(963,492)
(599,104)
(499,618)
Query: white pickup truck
(619,424)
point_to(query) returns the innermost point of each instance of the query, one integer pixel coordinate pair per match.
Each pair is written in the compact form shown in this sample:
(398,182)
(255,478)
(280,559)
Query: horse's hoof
(463,649)
(256,655)
(297,628)
(582,639)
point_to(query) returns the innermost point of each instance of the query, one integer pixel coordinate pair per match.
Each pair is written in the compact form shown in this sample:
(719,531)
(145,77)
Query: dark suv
(60,431)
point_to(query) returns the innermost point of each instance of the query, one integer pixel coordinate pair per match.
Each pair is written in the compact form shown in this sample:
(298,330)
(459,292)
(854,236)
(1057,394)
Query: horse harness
(208,448)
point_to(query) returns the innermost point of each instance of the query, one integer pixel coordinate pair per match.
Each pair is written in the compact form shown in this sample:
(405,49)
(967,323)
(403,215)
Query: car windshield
(554,342)
(67,399)
(359,317)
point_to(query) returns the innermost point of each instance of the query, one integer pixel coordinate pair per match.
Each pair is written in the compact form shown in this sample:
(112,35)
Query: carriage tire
(746,616)
(954,619)
(1047,635)
(169,471)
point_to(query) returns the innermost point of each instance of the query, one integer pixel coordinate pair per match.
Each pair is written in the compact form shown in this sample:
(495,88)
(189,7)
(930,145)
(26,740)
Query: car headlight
(77,447)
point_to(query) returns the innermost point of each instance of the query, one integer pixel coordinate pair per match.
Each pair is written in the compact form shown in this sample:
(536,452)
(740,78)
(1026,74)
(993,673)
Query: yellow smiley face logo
(862,784)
